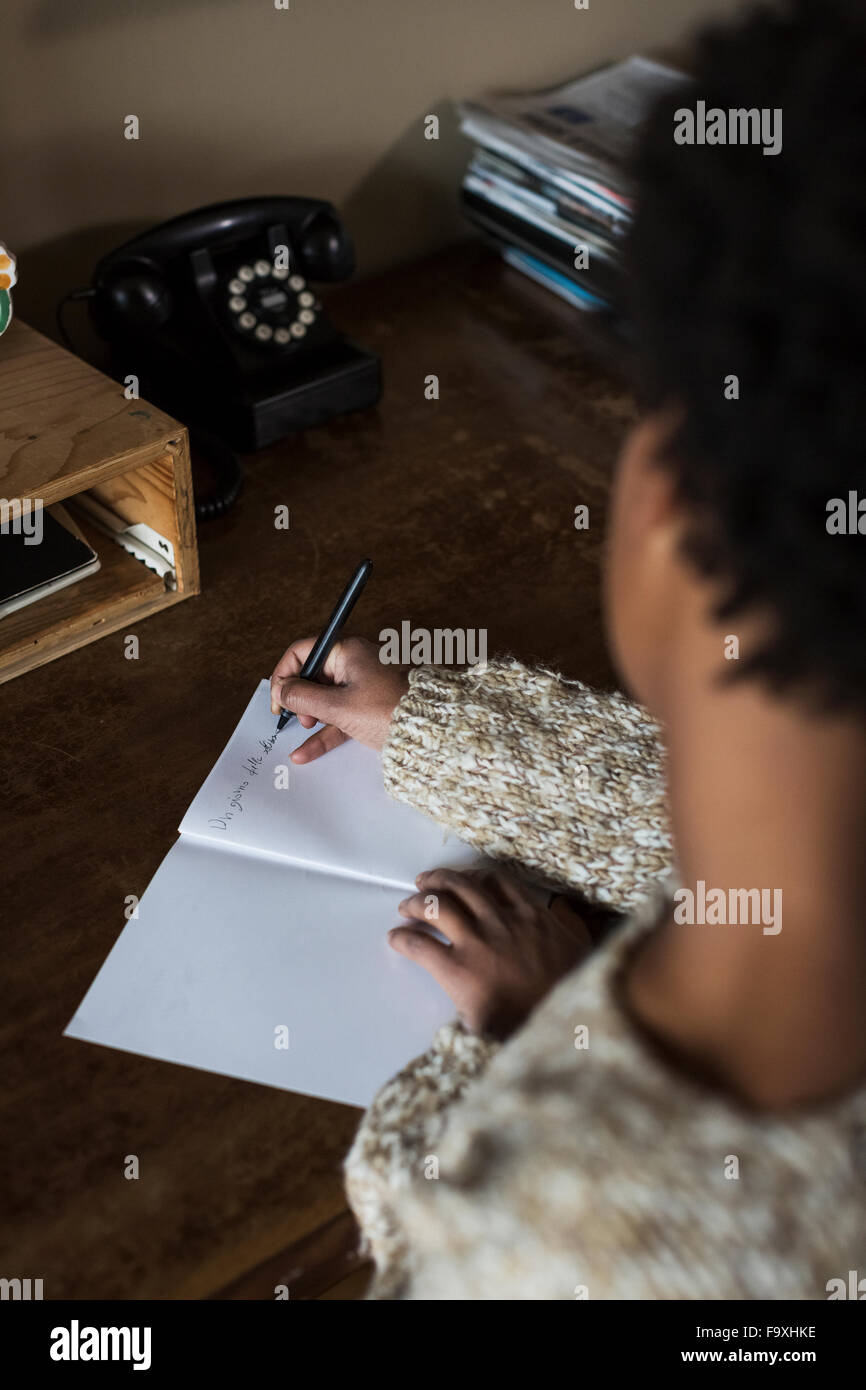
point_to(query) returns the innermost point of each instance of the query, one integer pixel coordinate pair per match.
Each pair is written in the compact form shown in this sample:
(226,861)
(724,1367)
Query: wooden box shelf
(66,429)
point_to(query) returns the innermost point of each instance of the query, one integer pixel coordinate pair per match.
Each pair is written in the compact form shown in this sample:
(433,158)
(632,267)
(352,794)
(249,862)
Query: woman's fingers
(432,955)
(442,911)
(507,887)
(466,888)
(506,948)
(311,701)
(321,742)
(289,666)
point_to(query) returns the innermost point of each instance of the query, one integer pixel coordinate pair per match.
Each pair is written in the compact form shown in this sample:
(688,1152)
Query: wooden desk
(466,505)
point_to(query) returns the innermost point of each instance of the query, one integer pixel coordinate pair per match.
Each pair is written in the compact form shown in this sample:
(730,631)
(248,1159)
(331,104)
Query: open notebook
(267,924)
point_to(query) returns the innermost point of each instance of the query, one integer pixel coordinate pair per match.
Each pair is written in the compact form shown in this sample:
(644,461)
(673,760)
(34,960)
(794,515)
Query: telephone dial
(216,314)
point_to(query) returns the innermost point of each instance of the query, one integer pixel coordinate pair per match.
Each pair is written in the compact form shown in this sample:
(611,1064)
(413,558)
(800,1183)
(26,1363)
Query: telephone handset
(214,312)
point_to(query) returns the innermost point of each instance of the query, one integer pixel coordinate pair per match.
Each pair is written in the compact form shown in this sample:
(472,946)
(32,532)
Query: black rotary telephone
(215,314)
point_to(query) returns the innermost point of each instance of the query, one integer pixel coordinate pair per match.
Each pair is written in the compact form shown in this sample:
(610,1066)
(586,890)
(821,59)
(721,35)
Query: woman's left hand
(507,949)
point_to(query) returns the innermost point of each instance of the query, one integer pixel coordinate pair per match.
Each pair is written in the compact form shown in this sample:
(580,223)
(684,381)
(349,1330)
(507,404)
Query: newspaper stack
(548,182)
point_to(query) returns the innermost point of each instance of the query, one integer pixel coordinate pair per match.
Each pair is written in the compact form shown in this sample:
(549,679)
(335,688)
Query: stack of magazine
(548,177)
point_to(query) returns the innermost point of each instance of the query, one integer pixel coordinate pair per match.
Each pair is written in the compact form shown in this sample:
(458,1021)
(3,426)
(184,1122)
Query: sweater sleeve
(565,782)
(397,1142)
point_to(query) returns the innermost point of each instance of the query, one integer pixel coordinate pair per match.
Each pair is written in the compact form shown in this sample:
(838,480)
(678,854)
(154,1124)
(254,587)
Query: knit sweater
(572,1161)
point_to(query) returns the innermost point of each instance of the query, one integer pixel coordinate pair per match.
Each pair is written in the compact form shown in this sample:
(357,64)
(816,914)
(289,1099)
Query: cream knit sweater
(571,1162)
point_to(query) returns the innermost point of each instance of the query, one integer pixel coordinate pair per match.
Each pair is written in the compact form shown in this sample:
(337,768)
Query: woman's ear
(643,562)
(642,481)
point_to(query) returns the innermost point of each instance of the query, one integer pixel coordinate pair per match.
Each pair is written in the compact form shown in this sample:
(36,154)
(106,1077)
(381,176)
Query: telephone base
(265,407)
(350,379)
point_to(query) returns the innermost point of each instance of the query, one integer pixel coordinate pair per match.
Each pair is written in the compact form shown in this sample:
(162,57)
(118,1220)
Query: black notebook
(40,554)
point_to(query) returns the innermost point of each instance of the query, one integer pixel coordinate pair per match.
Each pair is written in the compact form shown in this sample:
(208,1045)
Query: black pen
(322,649)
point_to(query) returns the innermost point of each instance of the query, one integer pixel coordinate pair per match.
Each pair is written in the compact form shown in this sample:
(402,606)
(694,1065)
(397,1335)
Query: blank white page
(335,814)
(229,947)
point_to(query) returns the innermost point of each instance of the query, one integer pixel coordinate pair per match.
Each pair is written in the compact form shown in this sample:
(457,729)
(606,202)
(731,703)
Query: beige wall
(235,98)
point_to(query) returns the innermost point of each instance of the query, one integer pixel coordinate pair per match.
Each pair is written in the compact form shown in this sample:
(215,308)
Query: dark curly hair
(755,265)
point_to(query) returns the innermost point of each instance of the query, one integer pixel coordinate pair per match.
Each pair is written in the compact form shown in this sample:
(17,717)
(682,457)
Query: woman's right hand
(355,699)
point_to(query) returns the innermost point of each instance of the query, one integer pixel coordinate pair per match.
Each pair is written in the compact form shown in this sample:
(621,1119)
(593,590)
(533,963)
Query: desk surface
(466,505)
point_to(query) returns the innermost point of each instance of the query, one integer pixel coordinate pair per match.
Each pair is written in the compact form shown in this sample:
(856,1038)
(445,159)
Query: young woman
(681,1111)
